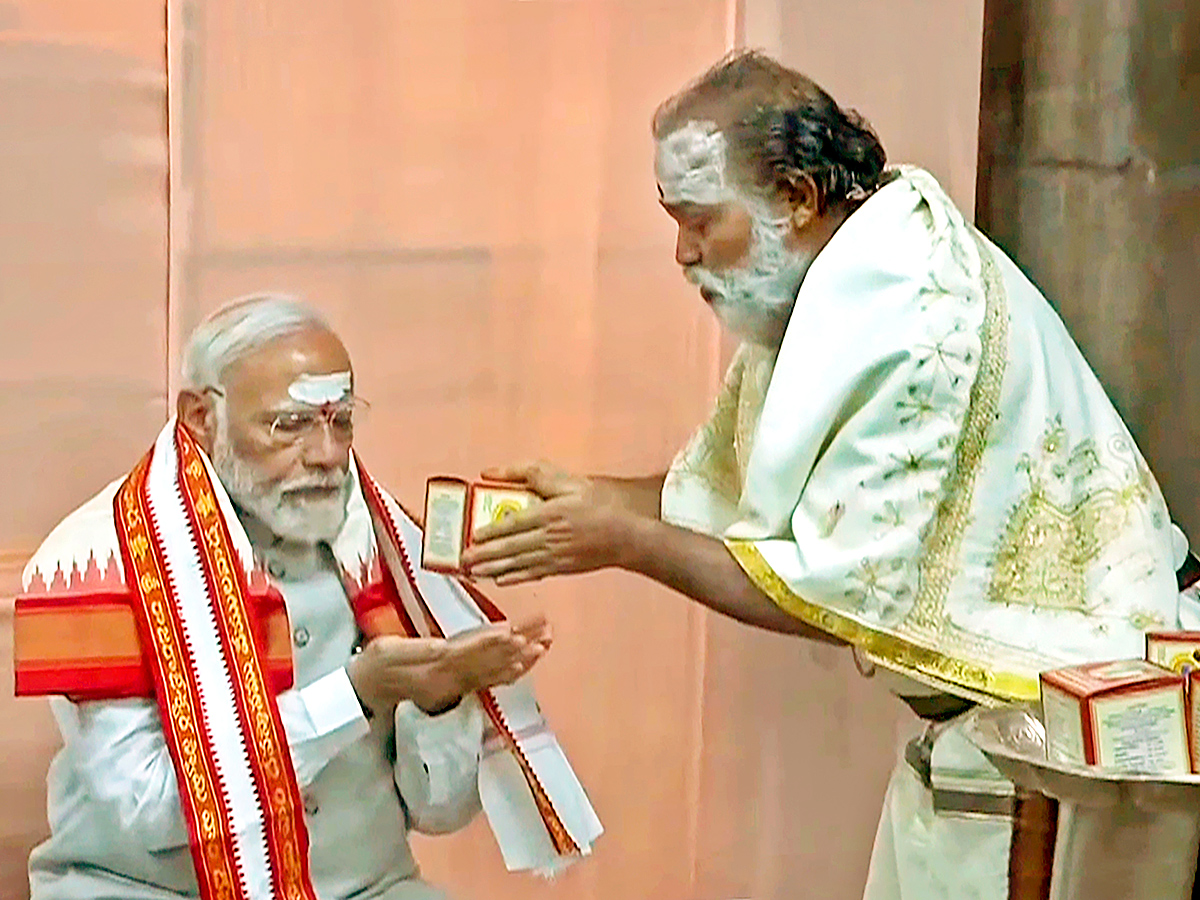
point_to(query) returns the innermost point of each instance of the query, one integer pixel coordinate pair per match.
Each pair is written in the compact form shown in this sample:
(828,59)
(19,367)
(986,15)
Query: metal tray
(1014,739)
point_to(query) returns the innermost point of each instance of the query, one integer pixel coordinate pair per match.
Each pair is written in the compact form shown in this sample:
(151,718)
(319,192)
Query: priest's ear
(804,199)
(198,414)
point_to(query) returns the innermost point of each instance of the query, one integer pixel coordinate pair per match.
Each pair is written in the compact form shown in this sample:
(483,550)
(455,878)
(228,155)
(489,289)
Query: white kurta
(117,831)
(929,469)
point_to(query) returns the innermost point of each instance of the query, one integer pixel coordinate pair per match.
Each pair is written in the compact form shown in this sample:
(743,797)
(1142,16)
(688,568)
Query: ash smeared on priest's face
(731,244)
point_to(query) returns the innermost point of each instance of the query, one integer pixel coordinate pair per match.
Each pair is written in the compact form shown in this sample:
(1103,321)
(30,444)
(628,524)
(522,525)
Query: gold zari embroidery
(719,451)
(1047,546)
(927,643)
(985,685)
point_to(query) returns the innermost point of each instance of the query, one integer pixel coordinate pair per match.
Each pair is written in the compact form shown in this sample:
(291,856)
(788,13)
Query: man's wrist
(444,688)
(636,538)
(353,672)
(441,708)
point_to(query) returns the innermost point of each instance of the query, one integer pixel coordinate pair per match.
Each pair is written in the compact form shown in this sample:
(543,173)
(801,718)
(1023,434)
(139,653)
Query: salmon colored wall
(83,225)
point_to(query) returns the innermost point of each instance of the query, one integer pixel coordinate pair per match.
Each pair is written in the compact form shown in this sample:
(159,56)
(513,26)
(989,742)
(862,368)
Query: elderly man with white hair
(259,695)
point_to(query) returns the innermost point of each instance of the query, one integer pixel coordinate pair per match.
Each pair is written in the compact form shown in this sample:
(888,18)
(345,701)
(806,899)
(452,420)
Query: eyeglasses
(288,427)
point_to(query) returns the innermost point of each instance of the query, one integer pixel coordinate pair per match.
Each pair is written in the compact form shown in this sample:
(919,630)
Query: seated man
(187,666)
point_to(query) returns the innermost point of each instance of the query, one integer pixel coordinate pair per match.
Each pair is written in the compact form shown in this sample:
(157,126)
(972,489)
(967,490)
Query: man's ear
(803,199)
(198,416)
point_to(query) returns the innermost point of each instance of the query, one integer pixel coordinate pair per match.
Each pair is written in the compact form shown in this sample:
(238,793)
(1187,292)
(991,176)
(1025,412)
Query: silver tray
(1015,741)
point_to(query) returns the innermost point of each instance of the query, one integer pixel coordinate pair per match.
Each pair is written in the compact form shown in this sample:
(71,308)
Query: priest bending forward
(909,455)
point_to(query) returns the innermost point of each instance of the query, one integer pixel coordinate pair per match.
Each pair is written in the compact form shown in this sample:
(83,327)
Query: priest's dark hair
(779,125)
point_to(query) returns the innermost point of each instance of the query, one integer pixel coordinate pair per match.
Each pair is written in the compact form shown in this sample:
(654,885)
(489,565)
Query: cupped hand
(434,672)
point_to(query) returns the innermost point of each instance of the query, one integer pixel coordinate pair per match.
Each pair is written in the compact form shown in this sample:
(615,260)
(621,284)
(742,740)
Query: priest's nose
(687,247)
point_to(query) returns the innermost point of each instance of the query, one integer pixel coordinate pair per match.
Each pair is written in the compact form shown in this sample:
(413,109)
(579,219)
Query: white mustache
(311,482)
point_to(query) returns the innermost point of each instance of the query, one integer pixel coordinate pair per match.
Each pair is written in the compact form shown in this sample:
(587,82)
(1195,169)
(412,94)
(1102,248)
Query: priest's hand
(435,673)
(582,525)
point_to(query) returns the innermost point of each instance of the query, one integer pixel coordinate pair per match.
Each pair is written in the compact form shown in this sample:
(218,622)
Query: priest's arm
(588,524)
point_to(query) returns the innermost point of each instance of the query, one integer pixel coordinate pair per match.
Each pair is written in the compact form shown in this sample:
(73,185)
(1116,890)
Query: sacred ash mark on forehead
(317,390)
(690,164)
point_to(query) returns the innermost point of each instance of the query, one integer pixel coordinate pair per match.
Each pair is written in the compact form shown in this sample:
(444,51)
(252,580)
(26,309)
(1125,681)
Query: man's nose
(325,449)
(687,247)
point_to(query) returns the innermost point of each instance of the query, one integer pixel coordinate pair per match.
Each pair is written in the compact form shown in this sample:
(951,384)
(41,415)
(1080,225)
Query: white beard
(306,521)
(755,300)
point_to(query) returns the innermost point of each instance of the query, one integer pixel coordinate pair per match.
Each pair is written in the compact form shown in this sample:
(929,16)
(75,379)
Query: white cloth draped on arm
(437,765)
(929,469)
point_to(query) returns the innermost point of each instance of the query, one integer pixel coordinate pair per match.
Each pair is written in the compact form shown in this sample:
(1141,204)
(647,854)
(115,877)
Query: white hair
(240,328)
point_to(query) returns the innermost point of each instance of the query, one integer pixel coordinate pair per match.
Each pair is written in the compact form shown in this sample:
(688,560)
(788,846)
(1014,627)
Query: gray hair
(781,125)
(238,329)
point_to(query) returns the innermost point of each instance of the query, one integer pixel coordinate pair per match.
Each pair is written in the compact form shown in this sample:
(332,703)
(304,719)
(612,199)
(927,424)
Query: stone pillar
(1089,177)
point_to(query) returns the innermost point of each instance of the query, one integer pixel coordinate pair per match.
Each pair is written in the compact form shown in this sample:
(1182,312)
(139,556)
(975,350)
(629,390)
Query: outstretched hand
(435,672)
(496,654)
(579,527)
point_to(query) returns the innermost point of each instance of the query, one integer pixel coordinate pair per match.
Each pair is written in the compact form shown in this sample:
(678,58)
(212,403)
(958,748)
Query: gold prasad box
(1127,715)
(455,511)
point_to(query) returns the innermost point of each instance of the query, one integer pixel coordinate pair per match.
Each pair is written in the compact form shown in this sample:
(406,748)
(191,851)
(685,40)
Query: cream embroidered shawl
(929,469)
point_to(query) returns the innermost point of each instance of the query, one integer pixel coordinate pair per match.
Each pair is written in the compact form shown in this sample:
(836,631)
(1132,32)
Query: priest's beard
(302,519)
(755,300)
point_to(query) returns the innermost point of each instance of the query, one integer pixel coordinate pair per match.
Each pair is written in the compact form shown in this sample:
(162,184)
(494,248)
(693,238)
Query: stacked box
(1179,651)
(1127,715)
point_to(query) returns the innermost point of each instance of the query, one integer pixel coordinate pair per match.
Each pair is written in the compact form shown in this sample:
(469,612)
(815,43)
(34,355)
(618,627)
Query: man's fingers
(517,523)
(531,626)
(481,639)
(548,483)
(542,478)
(536,630)
(527,575)
(518,473)
(518,562)
(403,651)
(513,671)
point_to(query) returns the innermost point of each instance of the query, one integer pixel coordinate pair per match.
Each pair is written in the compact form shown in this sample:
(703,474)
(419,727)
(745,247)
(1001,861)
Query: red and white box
(1129,715)
(455,511)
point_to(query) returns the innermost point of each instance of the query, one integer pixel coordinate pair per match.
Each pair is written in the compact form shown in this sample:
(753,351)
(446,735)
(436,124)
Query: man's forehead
(687,208)
(318,390)
(307,367)
(690,165)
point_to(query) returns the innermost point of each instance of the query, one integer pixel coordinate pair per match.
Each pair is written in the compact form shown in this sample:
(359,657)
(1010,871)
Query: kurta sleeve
(120,752)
